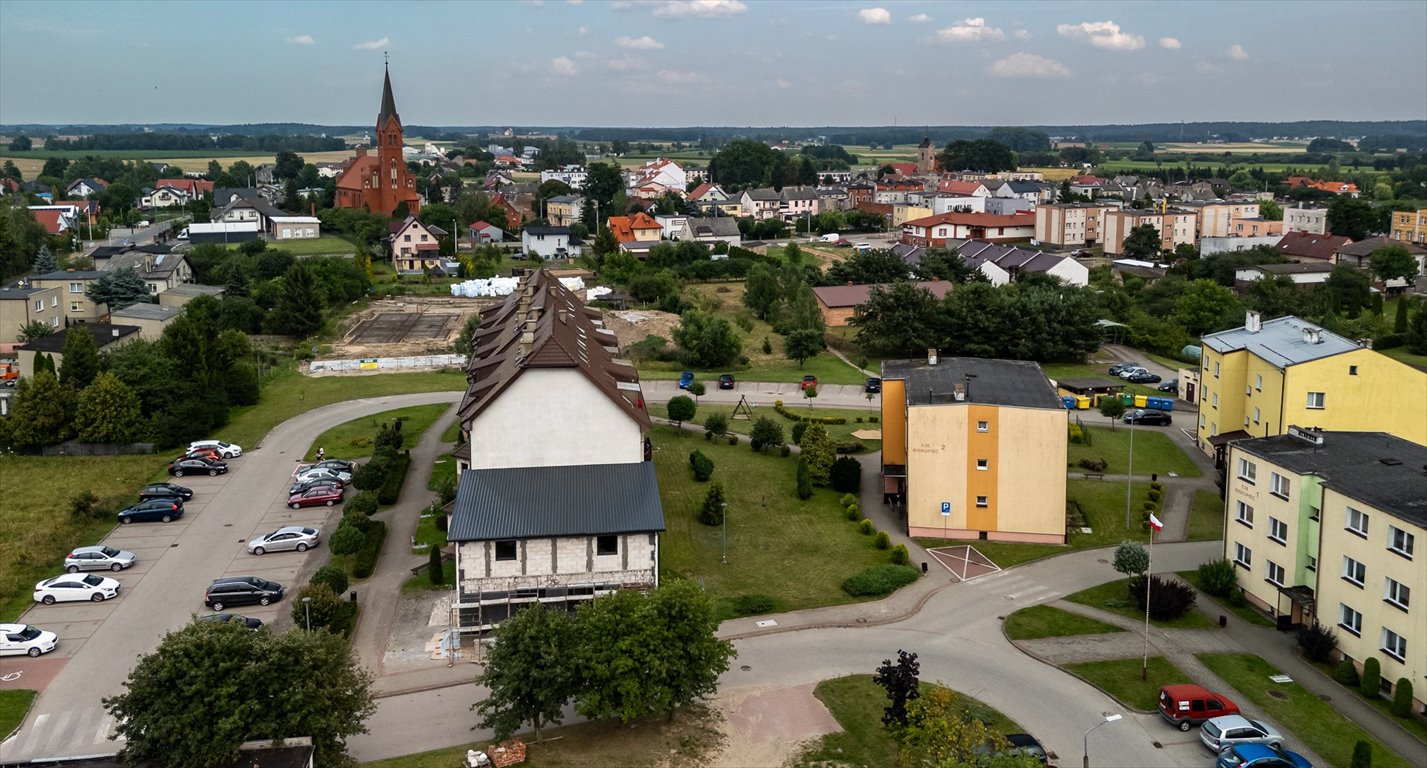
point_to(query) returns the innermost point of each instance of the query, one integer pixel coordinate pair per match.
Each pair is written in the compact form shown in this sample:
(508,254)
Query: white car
(18,639)
(305,474)
(292,537)
(71,587)
(1220,733)
(227,450)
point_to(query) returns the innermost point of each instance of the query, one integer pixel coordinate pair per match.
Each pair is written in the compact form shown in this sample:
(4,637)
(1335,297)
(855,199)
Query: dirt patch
(768,727)
(631,326)
(825,258)
(412,325)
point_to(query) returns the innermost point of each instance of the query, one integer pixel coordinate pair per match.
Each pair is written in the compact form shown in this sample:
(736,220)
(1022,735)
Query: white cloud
(969,31)
(1171,43)
(625,64)
(1021,34)
(302,40)
(582,31)
(372,45)
(563,66)
(704,9)
(645,43)
(1237,52)
(675,77)
(1028,65)
(1102,34)
(783,84)
(920,18)
(874,16)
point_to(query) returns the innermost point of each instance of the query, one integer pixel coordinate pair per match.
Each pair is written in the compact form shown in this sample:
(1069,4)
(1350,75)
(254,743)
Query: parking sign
(946,509)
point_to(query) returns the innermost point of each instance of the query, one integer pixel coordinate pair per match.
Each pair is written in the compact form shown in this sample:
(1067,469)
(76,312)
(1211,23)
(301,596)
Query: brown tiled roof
(837,296)
(1307,245)
(1364,248)
(545,325)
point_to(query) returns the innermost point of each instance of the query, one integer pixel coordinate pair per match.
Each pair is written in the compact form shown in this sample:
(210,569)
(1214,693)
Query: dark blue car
(1260,756)
(686,379)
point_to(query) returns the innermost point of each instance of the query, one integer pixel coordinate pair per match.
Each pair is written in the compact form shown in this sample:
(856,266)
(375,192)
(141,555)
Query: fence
(389,363)
(76,448)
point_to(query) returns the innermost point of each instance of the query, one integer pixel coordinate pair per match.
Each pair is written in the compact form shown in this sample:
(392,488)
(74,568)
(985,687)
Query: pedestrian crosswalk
(71,733)
(1016,588)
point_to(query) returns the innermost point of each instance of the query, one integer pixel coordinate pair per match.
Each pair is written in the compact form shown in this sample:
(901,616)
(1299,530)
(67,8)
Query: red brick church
(379,183)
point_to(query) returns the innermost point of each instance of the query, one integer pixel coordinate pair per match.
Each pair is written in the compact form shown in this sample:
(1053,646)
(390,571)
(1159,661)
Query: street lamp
(723,524)
(1085,754)
(307,609)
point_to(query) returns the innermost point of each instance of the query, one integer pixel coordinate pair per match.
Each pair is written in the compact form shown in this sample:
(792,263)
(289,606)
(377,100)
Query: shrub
(766,433)
(711,513)
(716,423)
(681,409)
(346,540)
(785,451)
(325,610)
(364,502)
(443,522)
(1150,506)
(847,499)
(750,605)
(1236,597)
(879,580)
(1318,642)
(732,439)
(1362,754)
(434,569)
(900,555)
(369,476)
(1154,495)
(1076,434)
(846,475)
(395,479)
(798,430)
(332,576)
(872,419)
(854,512)
(1216,577)
(85,505)
(703,466)
(1156,486)
(1371,681)
(850,446)
(1402,698)
(446,489)
(366,560)
(1169,598)
(866,527)
(883,540)
(1346,673)
(805,479)
(1094,465)
(767,346)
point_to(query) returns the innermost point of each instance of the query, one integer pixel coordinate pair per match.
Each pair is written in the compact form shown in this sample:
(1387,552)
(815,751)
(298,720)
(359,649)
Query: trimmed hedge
(395,479)
(795,416)
(364,502)
(365,561)
(879,580)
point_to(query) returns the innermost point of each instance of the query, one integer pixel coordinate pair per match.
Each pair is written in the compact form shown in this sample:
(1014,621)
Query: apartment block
(1175,227)
(1070,225)
(1306,219)
(1410,226)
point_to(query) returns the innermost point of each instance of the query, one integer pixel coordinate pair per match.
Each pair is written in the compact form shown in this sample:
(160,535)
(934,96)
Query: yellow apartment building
(1324,526)
(1075,225)
(1175,228)
(1216,217)
(1410,226)
(1258,379)
(974,449)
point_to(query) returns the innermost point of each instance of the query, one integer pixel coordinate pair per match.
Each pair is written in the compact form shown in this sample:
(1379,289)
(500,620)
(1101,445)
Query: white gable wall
(550,417)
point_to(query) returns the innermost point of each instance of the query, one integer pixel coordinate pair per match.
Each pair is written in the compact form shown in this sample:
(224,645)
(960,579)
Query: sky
(712,62)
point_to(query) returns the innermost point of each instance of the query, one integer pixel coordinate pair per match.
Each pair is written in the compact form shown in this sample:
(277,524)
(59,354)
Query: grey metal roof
(1372,467)
(1281,342)
(997,382)
(540,502)
(195,290)
(144,311)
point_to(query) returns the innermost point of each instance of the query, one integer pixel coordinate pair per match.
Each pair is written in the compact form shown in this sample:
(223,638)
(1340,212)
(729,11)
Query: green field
(1245,611)
(1113,596)
(1047,621)
(1206,517)
(1121,679)
(13,706)
(326,245)
(856,420)
(1154,451)
(354,439)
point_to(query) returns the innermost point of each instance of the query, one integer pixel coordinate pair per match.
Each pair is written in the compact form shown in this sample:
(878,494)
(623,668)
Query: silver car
(322,473)
(1220,733)
(292,537)
(98,558)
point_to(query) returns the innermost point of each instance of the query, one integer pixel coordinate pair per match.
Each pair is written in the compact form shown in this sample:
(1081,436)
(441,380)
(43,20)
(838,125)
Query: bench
(1093,475)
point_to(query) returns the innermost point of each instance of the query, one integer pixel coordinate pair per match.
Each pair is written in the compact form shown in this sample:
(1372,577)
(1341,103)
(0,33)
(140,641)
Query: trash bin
(924,567)
(353,595)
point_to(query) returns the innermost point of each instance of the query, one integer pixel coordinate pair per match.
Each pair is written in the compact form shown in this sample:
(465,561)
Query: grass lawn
(1321,727)
(1121,679)
(452,433)
(426,536)
(422,581)
(441,471)
(857,703)
(1246,612)
(1206,517)
(1048,621)
(326,245)
(683,743)
(797,552)
(1006,553)
(1404,355)
(1154,451)
(838,432)
(13,706)
(1113,596)
(354,438)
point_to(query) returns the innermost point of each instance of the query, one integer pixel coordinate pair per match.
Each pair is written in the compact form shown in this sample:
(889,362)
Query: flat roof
(1282,342)
(1376,468)
(145,312)
(1019,383)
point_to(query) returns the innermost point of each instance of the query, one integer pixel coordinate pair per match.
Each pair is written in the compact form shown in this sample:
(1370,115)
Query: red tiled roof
(622,228)
(958,187)
(358,168)
(480,225)
(1308,245)
(905,169)
(194,187)
(700,191)
(50,220)
(643,220)
(974,220)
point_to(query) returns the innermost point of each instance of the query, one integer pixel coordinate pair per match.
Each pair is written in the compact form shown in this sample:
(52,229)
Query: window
(1357,522)
(1353,571)
(983,426)
(1215,402)
(1350,619)
(1398,540)
(1245,514)
(505,550)
(74,306)
(1256,414)
(1258,382)
(1243,555)
(1315,400)
(1248,471)
(1314,513)
(1312,563)
(983,464)
(1396,593)
(1279,485)
(76,287)
(606,545)
(39,305)
(54,301)
(1393,644)
(1352,370)
(1277,530)
(1275,574)
(1216,369)
(982,502)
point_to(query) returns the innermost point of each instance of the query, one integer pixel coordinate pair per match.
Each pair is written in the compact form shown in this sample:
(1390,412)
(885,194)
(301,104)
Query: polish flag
(1155,523)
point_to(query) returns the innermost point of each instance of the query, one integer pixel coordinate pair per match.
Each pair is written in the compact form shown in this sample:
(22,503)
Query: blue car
(1260,756)
(686,379)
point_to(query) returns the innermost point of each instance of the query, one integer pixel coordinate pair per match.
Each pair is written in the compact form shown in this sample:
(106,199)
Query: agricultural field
(31,162)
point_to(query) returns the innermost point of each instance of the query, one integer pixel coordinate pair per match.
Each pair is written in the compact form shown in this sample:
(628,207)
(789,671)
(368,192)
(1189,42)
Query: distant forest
(199,141)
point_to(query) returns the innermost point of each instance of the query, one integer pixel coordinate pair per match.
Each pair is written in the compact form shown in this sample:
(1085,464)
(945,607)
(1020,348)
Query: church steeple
(388,102)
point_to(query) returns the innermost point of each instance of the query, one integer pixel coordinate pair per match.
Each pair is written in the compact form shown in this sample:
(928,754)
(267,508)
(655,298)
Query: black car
(149,510)
(725,381)
(224,618)
(241,590)
(1143,378)
(1017,745)
(873,386)
(319,482)
(1149,418)
(196,466)
(165,491)
(1117,367)
(341,465)
(1169,386)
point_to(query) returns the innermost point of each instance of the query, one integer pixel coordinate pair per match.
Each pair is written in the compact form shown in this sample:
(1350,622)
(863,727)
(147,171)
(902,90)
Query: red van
(1186,706)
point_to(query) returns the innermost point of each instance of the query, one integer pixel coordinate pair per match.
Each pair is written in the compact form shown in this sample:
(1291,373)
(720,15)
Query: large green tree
(118,289)
(1353,218)
(108,412)
(743,163)
(1205,306)
(531,671)
(761,291)
(817,448)
(803,344)
(1347,290)
(81,358)
(42,413)
(898,319)
(299,306)
(980,155)
(1394,262)
(209,687)
(1143,242)
(706,340)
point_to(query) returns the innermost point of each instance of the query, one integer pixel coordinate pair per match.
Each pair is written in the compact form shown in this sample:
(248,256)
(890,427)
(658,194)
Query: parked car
(224,618)
(1149,418)
(25,640)
(1233,730)
(322,473)
(1143,377)
(68,588)
(1017,745)
(809,381)
(241,590)
(1126,373)
(873,386)
(725,381)
(686,379)
(227,450)
(314,497)
(187,466)
(1260,756)
(149,510)
(1187,705)
(341,465)
(1118,367)
(165,491)
(207,454)
(1169,386)
(97,558)
(321,482)
(291,537)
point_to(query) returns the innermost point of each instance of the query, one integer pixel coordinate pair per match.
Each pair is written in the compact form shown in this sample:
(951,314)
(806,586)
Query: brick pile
(508,752)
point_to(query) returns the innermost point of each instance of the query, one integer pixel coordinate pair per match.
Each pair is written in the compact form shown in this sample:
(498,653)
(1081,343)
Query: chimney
(1312,335)
(1253,322)
(931,356)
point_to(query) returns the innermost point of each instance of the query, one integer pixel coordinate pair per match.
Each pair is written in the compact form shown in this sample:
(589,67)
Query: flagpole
(1149,569)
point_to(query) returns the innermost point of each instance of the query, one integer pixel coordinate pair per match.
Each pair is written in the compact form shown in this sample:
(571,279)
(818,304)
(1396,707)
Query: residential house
(159,265)
(797,202)
(832,199)
(548,242)
(1307,218)
(639,228)
(1335,187)
(573,176)
(1302,274)
(55,220)
(966,448)
(905,212)
(482,233)
(707,191)
(564,210)
(936,230)
(894,191)
(960,188)
(164,197)
(85,187)
(1407,226)
(670,225)
(1259,379)
(183,293)
(1306,246)
(940,203)
(657,177)
(1008,206)
(859,192)
(1208,246)
(74,304)
(761,203)
(905,170)
(106,336)
(561,508)
(711,230)
(222,196)
(1070,225)
(514,215)
(839,303)
(1331,536)
(22,303)
(244,209)
(1002,263)
(295,228)
(150,319)
(1091,186)
(1359,255)
(415,247)
(1175,227)
(1024,190)
(192,188)
(1255,227)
